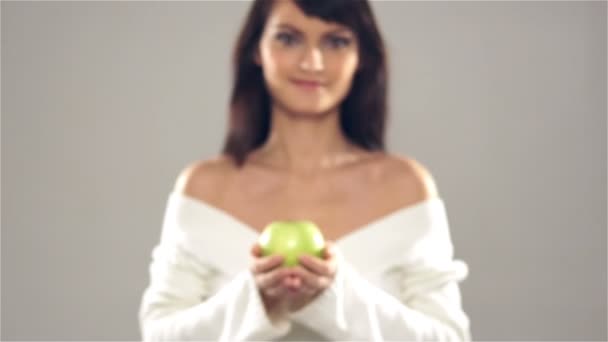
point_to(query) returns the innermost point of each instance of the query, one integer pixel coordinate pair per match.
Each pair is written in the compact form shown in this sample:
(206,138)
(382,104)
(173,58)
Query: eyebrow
(285,25)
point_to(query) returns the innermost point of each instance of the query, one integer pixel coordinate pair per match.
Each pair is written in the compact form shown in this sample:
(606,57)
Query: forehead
(285,13)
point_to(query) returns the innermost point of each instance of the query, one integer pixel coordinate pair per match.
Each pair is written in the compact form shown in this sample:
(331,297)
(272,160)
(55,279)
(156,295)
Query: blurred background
(104,103)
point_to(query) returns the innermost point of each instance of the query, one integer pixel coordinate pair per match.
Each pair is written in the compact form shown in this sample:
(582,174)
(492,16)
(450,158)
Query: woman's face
(294,48)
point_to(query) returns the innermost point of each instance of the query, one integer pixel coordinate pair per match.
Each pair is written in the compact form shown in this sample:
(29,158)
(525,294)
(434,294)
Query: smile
(307,85)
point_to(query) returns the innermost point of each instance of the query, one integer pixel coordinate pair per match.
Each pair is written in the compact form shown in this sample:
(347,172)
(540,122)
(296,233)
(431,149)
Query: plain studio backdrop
(103,103)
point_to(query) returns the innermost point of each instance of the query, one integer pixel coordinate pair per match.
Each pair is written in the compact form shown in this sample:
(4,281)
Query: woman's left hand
(310,277)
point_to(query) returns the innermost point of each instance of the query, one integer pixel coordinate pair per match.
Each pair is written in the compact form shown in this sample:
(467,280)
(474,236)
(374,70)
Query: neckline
(345,237)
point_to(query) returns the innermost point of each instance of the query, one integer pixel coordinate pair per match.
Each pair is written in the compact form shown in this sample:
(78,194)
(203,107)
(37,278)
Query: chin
(300,107)
(309,111)
(310,106)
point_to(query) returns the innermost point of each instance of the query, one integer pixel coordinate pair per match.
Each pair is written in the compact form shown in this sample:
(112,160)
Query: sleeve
(428,306)
(178,303)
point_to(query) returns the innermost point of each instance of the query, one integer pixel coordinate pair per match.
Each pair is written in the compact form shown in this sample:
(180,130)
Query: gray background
(104,103)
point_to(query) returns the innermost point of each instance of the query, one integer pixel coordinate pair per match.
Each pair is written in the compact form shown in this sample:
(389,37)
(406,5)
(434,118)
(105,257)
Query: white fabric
(396,280)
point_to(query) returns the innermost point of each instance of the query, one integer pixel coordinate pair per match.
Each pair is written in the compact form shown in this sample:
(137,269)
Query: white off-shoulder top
(396,280)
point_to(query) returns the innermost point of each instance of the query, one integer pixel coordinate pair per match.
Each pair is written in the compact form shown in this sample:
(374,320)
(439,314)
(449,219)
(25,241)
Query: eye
(338,42)
(286,38)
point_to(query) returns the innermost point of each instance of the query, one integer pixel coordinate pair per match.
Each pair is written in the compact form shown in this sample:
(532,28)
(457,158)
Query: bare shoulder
(408,175)
(205,179)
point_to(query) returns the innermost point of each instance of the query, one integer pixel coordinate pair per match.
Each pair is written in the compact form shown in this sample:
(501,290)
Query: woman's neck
(306,144)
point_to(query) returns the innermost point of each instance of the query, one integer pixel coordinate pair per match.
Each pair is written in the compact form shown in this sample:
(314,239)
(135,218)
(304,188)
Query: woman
(306,140)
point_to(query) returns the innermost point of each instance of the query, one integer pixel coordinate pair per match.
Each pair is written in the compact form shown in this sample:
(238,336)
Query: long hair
(363,113)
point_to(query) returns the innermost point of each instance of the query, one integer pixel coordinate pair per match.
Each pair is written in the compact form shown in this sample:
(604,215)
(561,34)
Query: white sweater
(396,280)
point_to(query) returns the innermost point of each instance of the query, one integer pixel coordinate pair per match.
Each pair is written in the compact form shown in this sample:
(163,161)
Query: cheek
(277,64)
(344,72)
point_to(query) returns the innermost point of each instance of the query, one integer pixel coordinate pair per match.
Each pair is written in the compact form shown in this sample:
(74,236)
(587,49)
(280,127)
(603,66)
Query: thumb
(256,250)
(328,250)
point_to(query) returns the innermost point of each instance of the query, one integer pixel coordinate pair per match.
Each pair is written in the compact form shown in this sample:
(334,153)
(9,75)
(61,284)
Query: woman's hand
(269,277)
(310,278)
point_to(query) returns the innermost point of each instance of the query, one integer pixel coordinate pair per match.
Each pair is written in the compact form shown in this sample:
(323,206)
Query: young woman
(306,141)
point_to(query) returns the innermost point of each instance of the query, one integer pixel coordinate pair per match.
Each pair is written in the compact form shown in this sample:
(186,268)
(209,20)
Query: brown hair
(363,111)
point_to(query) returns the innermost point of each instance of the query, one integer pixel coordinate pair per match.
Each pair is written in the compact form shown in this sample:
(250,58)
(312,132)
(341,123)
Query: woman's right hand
(270,278)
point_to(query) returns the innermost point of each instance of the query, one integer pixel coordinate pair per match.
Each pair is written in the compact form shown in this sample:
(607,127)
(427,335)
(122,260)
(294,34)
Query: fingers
(273,286)
(313,274)
(321,267)
(328,250)
(310,280)
(270,282)
(289,286)
(296,286)
(265,264)
(256,250)
(270,279)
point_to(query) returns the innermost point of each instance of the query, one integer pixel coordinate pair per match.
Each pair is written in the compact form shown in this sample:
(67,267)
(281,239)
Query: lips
(307,84)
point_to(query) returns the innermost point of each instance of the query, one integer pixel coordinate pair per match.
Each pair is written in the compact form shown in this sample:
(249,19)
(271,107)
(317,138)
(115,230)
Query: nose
(312,60)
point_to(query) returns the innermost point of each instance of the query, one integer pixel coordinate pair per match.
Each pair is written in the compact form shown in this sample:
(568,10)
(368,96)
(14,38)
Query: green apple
(291,239)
